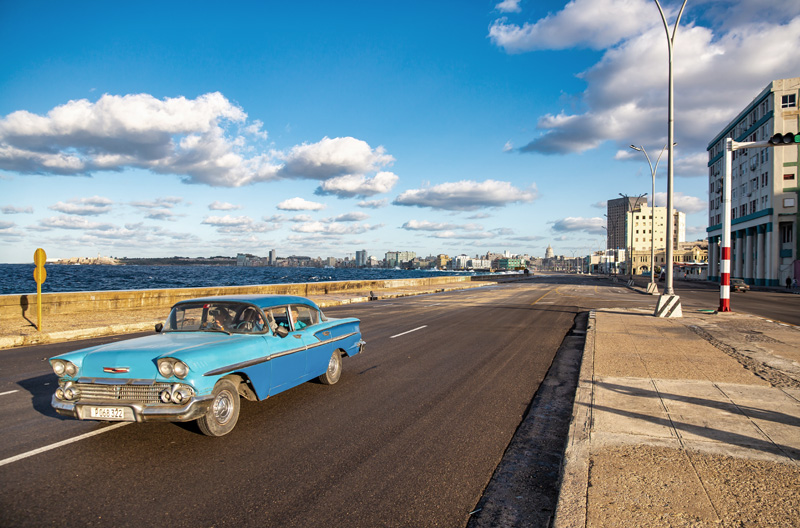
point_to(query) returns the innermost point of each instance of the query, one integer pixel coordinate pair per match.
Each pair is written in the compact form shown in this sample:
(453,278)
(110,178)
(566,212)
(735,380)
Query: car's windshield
(228,317)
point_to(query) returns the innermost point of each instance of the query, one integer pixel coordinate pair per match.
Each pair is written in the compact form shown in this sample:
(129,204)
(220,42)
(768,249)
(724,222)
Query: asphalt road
(409,436)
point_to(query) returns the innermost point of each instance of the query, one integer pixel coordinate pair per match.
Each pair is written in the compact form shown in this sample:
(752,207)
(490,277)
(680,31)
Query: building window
(789,101)
(788,176)
(786,234)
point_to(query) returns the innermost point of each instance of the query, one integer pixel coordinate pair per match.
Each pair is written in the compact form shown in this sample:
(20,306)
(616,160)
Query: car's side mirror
(281,331)
(159,327)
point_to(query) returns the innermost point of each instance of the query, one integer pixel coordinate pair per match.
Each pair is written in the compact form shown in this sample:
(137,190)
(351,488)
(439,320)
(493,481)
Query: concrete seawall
(12,307)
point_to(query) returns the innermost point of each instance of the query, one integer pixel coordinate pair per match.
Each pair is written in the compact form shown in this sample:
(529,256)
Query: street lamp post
(669,304)
(652,288)
(629,256)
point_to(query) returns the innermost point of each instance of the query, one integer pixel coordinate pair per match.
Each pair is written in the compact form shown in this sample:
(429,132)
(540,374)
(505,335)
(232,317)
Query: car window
(249,320)
(303,316)
(229,317)
(279,316)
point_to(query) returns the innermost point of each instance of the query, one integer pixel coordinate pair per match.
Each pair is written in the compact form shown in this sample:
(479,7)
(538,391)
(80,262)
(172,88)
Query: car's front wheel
(334,371)
(221,416)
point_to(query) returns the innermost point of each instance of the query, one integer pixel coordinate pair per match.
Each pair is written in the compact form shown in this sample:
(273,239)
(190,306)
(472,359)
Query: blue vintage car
(209,353)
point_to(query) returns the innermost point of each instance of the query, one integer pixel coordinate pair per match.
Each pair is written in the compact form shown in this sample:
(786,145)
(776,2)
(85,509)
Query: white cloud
(334,228)
(159,209)
(360,185)
(373,204)
(300,204)
(95,205)
(350,217)
(588,23)
(681,202)
(508,6)
(238,224)
(467,195)
(330,158)
(196,139)
(72,222)
(592,226)
(223,206)
(424,225)
(725,53)
(7,225)
(10,209)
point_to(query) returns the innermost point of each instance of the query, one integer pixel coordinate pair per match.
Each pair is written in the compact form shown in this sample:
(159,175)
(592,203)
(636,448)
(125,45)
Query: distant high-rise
(361,258)
(272,257)
(615,221)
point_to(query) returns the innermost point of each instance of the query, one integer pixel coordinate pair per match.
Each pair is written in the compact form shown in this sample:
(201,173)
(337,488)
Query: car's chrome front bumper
(137,412)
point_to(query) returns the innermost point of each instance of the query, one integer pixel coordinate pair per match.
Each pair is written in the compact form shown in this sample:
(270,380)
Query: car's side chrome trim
(257,361)
(327,341)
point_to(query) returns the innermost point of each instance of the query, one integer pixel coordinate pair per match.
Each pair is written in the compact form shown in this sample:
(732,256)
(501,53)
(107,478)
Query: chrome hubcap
(333,366)
(223,407)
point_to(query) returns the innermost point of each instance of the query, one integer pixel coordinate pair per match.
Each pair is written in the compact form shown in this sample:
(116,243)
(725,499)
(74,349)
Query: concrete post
(748,254)
(760,255)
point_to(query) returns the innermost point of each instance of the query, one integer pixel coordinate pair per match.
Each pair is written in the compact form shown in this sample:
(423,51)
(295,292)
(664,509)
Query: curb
(572,496)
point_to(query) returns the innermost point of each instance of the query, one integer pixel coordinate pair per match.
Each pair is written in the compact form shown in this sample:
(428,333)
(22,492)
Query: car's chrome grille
(122,392)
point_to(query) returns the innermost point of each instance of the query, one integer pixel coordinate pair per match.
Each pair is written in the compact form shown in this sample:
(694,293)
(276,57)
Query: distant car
(210,352)
(739,285)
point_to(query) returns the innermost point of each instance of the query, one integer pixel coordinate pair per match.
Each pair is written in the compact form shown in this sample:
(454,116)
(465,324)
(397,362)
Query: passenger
(298,324)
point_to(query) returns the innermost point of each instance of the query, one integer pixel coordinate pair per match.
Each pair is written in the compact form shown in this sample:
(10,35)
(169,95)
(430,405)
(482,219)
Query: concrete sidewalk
(684,422)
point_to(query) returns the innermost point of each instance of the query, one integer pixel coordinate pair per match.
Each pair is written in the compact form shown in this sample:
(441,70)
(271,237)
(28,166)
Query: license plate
(107,413)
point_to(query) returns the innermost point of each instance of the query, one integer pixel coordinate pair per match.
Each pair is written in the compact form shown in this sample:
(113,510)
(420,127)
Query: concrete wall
(14,306)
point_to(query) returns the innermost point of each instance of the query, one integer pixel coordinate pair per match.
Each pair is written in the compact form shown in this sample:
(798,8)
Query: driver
(221,319)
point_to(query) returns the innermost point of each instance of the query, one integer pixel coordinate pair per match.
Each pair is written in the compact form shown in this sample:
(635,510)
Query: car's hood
(136,358)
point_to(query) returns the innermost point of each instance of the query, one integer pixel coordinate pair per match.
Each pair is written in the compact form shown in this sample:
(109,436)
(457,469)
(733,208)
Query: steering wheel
(245,325)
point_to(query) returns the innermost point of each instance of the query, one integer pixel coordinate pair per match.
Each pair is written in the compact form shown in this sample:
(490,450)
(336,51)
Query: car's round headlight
(71,368)
(165,396)
(180,369)
(60,393)
(70,393)
(59,367)
(165,368)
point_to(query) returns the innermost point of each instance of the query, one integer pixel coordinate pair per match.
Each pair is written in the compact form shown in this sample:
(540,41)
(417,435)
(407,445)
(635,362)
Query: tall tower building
(615,221)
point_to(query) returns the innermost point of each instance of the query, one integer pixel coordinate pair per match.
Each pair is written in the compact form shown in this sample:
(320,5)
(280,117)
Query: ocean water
(18,278)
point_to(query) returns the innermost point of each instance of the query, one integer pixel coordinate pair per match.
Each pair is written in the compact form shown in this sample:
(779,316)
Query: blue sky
(322,128)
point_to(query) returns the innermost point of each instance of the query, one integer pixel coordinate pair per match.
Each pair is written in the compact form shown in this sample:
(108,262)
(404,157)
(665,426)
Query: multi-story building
(639,232)
(615,221)
(764,190)
(361,258)
(396,258)
(459,262)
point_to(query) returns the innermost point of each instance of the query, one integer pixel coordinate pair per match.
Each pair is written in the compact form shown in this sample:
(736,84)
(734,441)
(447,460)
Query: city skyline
(312,129)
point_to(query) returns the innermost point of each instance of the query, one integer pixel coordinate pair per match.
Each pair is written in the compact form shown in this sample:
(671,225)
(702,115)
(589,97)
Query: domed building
(548,253)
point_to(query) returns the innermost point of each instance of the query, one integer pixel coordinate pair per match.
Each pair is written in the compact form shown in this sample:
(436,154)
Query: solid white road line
(62,443)
(404,333)
(8,392)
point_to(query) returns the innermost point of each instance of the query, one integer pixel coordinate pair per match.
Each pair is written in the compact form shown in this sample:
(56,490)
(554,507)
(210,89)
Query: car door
(288,354)
(306,321)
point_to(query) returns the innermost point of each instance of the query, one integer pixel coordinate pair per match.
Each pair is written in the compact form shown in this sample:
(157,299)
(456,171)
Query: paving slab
(684,422)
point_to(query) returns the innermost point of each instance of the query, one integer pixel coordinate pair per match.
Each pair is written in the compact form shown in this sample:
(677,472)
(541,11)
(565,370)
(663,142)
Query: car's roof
(262,301)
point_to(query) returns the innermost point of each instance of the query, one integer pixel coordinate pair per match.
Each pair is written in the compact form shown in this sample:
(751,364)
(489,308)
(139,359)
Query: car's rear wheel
(221,416)
(334,371)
